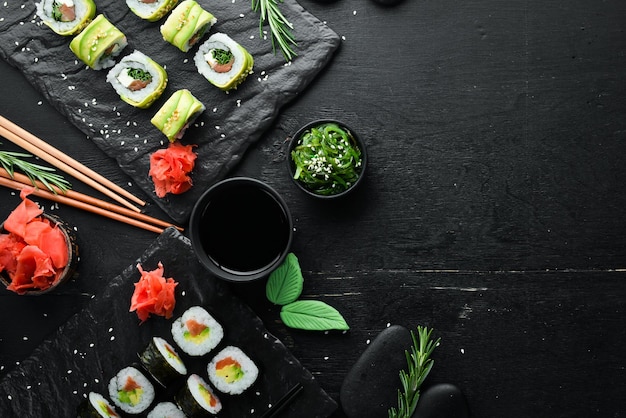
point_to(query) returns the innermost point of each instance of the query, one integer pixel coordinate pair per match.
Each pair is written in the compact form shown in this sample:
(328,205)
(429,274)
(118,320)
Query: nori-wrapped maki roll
(131,390)
(196,398)
(231,371)
(177,113)
(151,10)
(186,25)
(99,43)
(162,361)
(96,406)
(66,17)
(138,79)
(223,62)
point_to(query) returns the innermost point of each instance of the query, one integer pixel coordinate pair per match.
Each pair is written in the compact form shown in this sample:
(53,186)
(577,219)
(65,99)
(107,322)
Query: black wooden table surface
(493,209)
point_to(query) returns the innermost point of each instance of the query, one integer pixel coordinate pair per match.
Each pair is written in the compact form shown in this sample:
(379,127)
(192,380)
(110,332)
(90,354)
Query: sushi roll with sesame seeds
(138,80)
(151,10)
(197,399)
(177,113)
(99,43)
(66,17)
(131,391)
(96,406)
(196,332)
(186,25)
(231,371)
(223,62)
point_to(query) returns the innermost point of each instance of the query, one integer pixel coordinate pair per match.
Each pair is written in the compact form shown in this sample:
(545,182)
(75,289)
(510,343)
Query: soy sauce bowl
(72,250)
(241,229)
(320,165)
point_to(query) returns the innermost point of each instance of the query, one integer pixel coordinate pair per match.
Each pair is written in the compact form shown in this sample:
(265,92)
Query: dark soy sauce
(243,229)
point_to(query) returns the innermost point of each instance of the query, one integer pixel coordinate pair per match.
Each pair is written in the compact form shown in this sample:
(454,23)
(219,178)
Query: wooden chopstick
(21,178)
(63,162)
(284,401)
(90,204)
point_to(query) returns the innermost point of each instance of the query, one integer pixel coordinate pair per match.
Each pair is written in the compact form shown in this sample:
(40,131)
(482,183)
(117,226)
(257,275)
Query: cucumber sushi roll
(223,62)
(66,17)
(197,399)
(99,43)
(131,391)
(186,25)
(162,361)
(96,406)
(196,332)
(177,113)
(231,371)
(138,80)
(166,410)
(151,10)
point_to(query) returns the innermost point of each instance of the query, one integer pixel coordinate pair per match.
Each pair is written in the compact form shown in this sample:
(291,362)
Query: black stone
(443,400)
(371,386)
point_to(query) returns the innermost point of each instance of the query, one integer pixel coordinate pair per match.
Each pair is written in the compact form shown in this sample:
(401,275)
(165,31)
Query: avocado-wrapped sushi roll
(99,43)
(231,371)
(97,406)
(196,398)
(151,10)
(224,62)
(186,25)
(162,361)
(138,79)
(66,17)
(131,390)
(177,113)
(196,331)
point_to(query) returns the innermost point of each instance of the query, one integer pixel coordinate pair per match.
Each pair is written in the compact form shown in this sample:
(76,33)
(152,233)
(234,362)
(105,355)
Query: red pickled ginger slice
(34,271)
(170,168)
(153,294)
(25,212)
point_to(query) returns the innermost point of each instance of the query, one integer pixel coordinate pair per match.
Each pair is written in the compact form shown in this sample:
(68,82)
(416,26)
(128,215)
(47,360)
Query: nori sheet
(86,352)
(232,122)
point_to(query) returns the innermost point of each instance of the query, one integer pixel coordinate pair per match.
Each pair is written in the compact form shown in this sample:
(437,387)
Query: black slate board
(232,121)
(103,338)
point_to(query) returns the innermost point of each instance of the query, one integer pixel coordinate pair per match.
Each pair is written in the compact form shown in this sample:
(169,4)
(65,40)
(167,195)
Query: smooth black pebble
(371,386)
(443,400)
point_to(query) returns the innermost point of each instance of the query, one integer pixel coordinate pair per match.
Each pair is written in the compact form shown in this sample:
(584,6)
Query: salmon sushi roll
(66,17)
(131,391)
(162,361)
(151,10)
(231,371)
(223,62)
(99,43)
(177,114)
(197,399)
(186,25)
(138,80)
(196,332)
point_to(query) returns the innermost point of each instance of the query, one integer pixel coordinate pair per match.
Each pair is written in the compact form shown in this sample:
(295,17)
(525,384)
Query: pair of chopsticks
(128,213)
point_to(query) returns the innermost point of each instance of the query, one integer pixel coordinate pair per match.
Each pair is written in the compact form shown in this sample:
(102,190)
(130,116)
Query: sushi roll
(97,406)
(186,25)
(162,361)
(231,371)
(197,399)
(66,17)
(99,43)
(196,332)
(138,80)
(177,113)
(166,410)
(223,62)
(131,391)
(151,10)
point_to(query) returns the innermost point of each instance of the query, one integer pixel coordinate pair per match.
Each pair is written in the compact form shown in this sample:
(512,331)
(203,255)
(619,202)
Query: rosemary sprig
(12,160)
(419,365)
(280,27)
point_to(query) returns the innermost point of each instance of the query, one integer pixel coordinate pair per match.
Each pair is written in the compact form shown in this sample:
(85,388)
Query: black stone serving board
(232,121)
(105,337)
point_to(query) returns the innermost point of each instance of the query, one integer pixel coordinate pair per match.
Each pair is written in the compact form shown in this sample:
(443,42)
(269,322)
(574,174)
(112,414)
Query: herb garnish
(139,74)
(327,159)
(12,160)
(280,27)
(419,365)
(222,56)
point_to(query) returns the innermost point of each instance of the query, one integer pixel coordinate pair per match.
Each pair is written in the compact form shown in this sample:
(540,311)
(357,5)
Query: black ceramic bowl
(241,229)
(68,270)
(355,141)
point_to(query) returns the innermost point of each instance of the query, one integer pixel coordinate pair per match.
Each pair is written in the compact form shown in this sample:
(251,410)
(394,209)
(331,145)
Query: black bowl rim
(290,165)
(195,237)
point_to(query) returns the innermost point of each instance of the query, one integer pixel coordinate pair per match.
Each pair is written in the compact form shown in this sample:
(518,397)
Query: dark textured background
(493,209)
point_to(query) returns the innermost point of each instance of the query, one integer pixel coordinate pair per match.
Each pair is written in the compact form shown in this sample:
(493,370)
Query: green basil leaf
(312,315)
(285,283)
